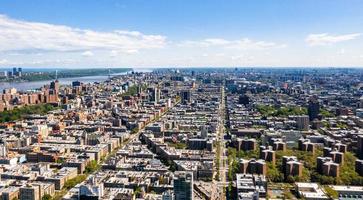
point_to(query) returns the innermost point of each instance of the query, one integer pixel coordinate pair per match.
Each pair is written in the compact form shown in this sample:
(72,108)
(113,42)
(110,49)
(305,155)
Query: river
(23,86)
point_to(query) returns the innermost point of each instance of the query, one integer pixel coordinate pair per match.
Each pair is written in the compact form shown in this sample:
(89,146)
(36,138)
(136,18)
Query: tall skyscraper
(154,94)
(185,96)
(54,85)
(76,83)
(14,71)
(183,185)
(20,71)
(52,93)
(313,108)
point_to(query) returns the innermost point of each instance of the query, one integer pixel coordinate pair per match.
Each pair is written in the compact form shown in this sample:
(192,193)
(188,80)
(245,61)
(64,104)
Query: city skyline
(181,99)
(181,34)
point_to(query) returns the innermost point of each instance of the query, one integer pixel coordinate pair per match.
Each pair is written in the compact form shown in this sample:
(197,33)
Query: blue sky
(163,33)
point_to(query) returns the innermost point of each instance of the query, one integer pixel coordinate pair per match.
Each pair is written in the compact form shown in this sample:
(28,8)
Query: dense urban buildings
(186,134)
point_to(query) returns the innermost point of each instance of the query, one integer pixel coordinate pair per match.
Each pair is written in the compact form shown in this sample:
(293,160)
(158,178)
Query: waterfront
(23,86)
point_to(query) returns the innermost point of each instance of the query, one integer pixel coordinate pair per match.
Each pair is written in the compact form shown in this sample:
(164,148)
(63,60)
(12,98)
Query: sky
(181,33)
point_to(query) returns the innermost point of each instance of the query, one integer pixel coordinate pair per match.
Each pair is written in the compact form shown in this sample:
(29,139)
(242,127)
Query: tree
(331,193)
(74,181)
(18,113)
(248,154)
(287,194)
(137,191)
(47,197)
(233,163)
(273,174)
(267,110)
(135,130)
(290,179)
(92,167)
(348,175)
(322,179)
(60,160)
(325,113)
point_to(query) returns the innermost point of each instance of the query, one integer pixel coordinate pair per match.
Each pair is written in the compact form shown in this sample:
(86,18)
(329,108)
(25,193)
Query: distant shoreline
(66,73)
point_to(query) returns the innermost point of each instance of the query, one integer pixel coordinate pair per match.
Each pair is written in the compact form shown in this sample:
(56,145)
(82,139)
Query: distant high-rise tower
(154,94)
(52,92)
(14,71)
(54,85)
(185,96)
(313,108)
(183,185)
(76,83)
(20,71)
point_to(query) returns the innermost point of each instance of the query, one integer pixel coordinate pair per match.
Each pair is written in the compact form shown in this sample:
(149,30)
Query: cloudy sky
(172,33)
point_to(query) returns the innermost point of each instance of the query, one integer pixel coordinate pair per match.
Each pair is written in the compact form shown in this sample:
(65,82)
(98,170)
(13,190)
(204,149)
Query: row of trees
(132,90)
(19,113)
(271,111)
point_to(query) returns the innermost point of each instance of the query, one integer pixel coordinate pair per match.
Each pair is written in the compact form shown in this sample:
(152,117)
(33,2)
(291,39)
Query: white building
(346,191)
(310,191)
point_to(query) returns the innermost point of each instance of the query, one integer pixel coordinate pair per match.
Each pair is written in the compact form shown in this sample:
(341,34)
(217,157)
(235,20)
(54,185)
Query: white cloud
(115,53)
(87,53)
(24,43)
(131,51)
(216,41)
(3,62)
(246,59)
(37,62)
(243,44)
(341,52)
(326,39)
(18,35)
